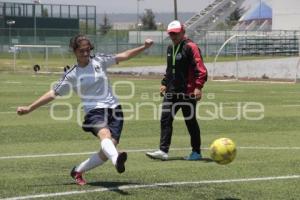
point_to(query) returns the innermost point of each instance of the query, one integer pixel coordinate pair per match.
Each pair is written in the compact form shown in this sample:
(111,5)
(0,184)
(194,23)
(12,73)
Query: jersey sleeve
(63,86)
(107,60)
(200,69)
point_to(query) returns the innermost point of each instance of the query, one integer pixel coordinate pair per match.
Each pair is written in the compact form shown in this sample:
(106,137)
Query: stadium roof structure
(257,19)
(260,11)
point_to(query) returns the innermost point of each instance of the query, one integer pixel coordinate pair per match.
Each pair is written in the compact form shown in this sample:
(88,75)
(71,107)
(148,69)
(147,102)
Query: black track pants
(171,104)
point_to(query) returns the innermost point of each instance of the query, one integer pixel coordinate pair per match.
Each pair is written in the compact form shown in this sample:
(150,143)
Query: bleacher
(213,14)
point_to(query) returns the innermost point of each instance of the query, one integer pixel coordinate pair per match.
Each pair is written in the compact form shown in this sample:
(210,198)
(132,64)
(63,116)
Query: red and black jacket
(188,72)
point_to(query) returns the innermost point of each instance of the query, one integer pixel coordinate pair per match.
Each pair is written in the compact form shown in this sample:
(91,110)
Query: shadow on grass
(112,186)
(175,158)
(109,185)
(182,158)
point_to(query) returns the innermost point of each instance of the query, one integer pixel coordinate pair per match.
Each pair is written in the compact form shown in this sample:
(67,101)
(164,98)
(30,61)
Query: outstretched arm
(44,99)
(133,52)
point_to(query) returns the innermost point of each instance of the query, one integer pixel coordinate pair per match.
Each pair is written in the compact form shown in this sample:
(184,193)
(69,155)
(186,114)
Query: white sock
(90,163)
(109,150)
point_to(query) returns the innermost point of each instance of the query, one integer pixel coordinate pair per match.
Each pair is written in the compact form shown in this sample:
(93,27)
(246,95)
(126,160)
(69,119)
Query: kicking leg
(94,161)
(109,150)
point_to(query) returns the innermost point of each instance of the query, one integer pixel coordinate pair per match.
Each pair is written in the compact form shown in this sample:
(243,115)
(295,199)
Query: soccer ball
(223,151)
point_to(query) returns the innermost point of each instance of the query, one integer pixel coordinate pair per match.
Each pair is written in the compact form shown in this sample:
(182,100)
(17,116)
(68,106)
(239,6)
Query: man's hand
(23,110)
(198,94)
(163,89)
(148,43)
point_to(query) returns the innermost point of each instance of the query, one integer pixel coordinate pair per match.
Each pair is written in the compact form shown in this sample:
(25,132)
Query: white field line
(136,151)
(287,106)
(78,154)
(44,106)
(128,187)
(254,82)
(229,107)
(224,106)
(15,112)
(233,90)
(276,92)
(46,155)
(12,82)
(291,101)
(8,112)
(270,148)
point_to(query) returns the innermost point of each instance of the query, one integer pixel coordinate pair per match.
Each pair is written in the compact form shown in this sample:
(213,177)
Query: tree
(231,21)
(234,17)
(148,20)
(106,26)
(45,12)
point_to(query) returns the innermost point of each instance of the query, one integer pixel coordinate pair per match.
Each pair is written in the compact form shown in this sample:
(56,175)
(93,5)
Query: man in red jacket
(182,88)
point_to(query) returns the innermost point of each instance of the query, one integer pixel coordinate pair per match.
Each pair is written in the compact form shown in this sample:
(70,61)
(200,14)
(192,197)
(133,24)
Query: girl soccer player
(104,116)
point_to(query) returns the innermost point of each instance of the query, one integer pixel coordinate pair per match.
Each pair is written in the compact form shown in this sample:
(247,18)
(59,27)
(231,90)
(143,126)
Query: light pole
(34,17)
(259,17)
(10,23)
(175,10)
(137,11)
(139,33)
(138,25)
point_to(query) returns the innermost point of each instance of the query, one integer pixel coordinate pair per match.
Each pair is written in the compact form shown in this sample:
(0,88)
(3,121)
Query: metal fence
(249,43)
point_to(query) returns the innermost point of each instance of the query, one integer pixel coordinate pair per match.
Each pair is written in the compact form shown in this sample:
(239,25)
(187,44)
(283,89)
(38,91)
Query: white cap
(175,26)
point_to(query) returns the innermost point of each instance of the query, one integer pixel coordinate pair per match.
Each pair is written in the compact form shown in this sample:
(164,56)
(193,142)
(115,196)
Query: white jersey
(90,83)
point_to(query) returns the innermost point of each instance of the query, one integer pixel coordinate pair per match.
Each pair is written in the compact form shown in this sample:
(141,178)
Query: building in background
(42,20)
(286,14)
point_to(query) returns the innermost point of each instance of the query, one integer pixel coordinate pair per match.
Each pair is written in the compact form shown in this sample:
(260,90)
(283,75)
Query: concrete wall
(284,68)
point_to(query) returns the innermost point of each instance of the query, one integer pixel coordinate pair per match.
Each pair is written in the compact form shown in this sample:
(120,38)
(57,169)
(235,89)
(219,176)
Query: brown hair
(75,41)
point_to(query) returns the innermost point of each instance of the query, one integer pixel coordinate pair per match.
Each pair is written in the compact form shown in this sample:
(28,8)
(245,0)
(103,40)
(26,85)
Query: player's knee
(104,133)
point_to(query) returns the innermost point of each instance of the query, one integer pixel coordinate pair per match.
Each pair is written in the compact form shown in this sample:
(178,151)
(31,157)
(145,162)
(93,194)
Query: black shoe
(120,164)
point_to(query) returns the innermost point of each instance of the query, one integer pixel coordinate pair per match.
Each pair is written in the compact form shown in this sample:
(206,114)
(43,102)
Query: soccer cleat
(120,164)
(194,156)
(77,176)
(157,155)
